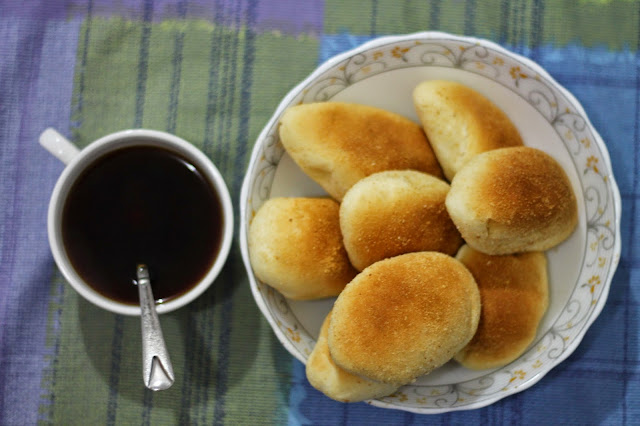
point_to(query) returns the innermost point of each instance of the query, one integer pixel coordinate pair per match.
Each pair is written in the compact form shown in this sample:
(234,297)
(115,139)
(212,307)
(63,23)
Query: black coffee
(142,205)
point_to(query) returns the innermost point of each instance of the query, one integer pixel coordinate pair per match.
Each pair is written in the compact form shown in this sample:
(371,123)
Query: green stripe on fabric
(194,80)
(160,68)
(592,22)
(58,288)
(587,22)
(394,17)
(216,86)
(281,63)
(109,79)
(83,362)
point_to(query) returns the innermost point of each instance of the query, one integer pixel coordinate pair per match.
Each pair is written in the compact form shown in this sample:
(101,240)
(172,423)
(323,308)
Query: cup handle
(58,145)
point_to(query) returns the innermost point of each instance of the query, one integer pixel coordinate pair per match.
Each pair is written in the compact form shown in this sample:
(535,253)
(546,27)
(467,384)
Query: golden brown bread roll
(337,144)
(336,383)
(295,246)
(402,317)
(515,295)
(395,212)
(511,200)
(461,123)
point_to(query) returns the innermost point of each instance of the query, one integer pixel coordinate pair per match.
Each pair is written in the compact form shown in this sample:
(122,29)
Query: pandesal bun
(461,123)
(515,295)
(336,383)
(512,200)
(295,246)
(404,316)
(337,144)
(395,212)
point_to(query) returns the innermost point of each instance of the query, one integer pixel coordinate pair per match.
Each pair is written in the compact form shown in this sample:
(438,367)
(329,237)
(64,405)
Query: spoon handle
(157,371)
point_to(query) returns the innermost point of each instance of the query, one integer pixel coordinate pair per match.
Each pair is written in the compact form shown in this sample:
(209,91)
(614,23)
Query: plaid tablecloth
(212,72)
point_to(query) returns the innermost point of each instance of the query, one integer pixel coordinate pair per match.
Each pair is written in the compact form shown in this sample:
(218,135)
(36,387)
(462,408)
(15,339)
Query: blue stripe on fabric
(434,14)
(216,147)
(504,22)
(193,356)
(143,63)
(174,94)
(147,404)
(520,26)
(226,52)
(40,97)
(214,75)
(307,403)
(374,17)
(225,137)
(222,372)
(114,373)
(205,362)
(537,21)
(114,378)
(172,114)
(470,17)
(297,395)
(331,45)
(222,375)
(187,382)
(174,91)
(216,97)
(245,100)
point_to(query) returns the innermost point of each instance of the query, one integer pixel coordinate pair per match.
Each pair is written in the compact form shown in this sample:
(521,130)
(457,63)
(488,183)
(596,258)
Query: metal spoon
(157,371)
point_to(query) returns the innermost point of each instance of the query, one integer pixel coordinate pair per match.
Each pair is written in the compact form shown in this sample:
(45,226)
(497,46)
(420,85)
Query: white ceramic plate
(383,73)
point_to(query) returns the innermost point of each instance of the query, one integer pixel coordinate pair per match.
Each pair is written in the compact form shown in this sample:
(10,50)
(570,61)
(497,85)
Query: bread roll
(402,317)
(461,123)
(336,383)
(295,246)
(396,212)
(512,200)
(337,144)
(515,295)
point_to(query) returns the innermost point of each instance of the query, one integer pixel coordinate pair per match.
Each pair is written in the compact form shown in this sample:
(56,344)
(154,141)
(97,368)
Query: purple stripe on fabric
(9,119)
(14,86)
(35,10)
(43,89)
(287,16)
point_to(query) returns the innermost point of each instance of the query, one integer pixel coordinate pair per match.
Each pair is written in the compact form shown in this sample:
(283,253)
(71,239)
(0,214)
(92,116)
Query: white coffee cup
(78,160)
